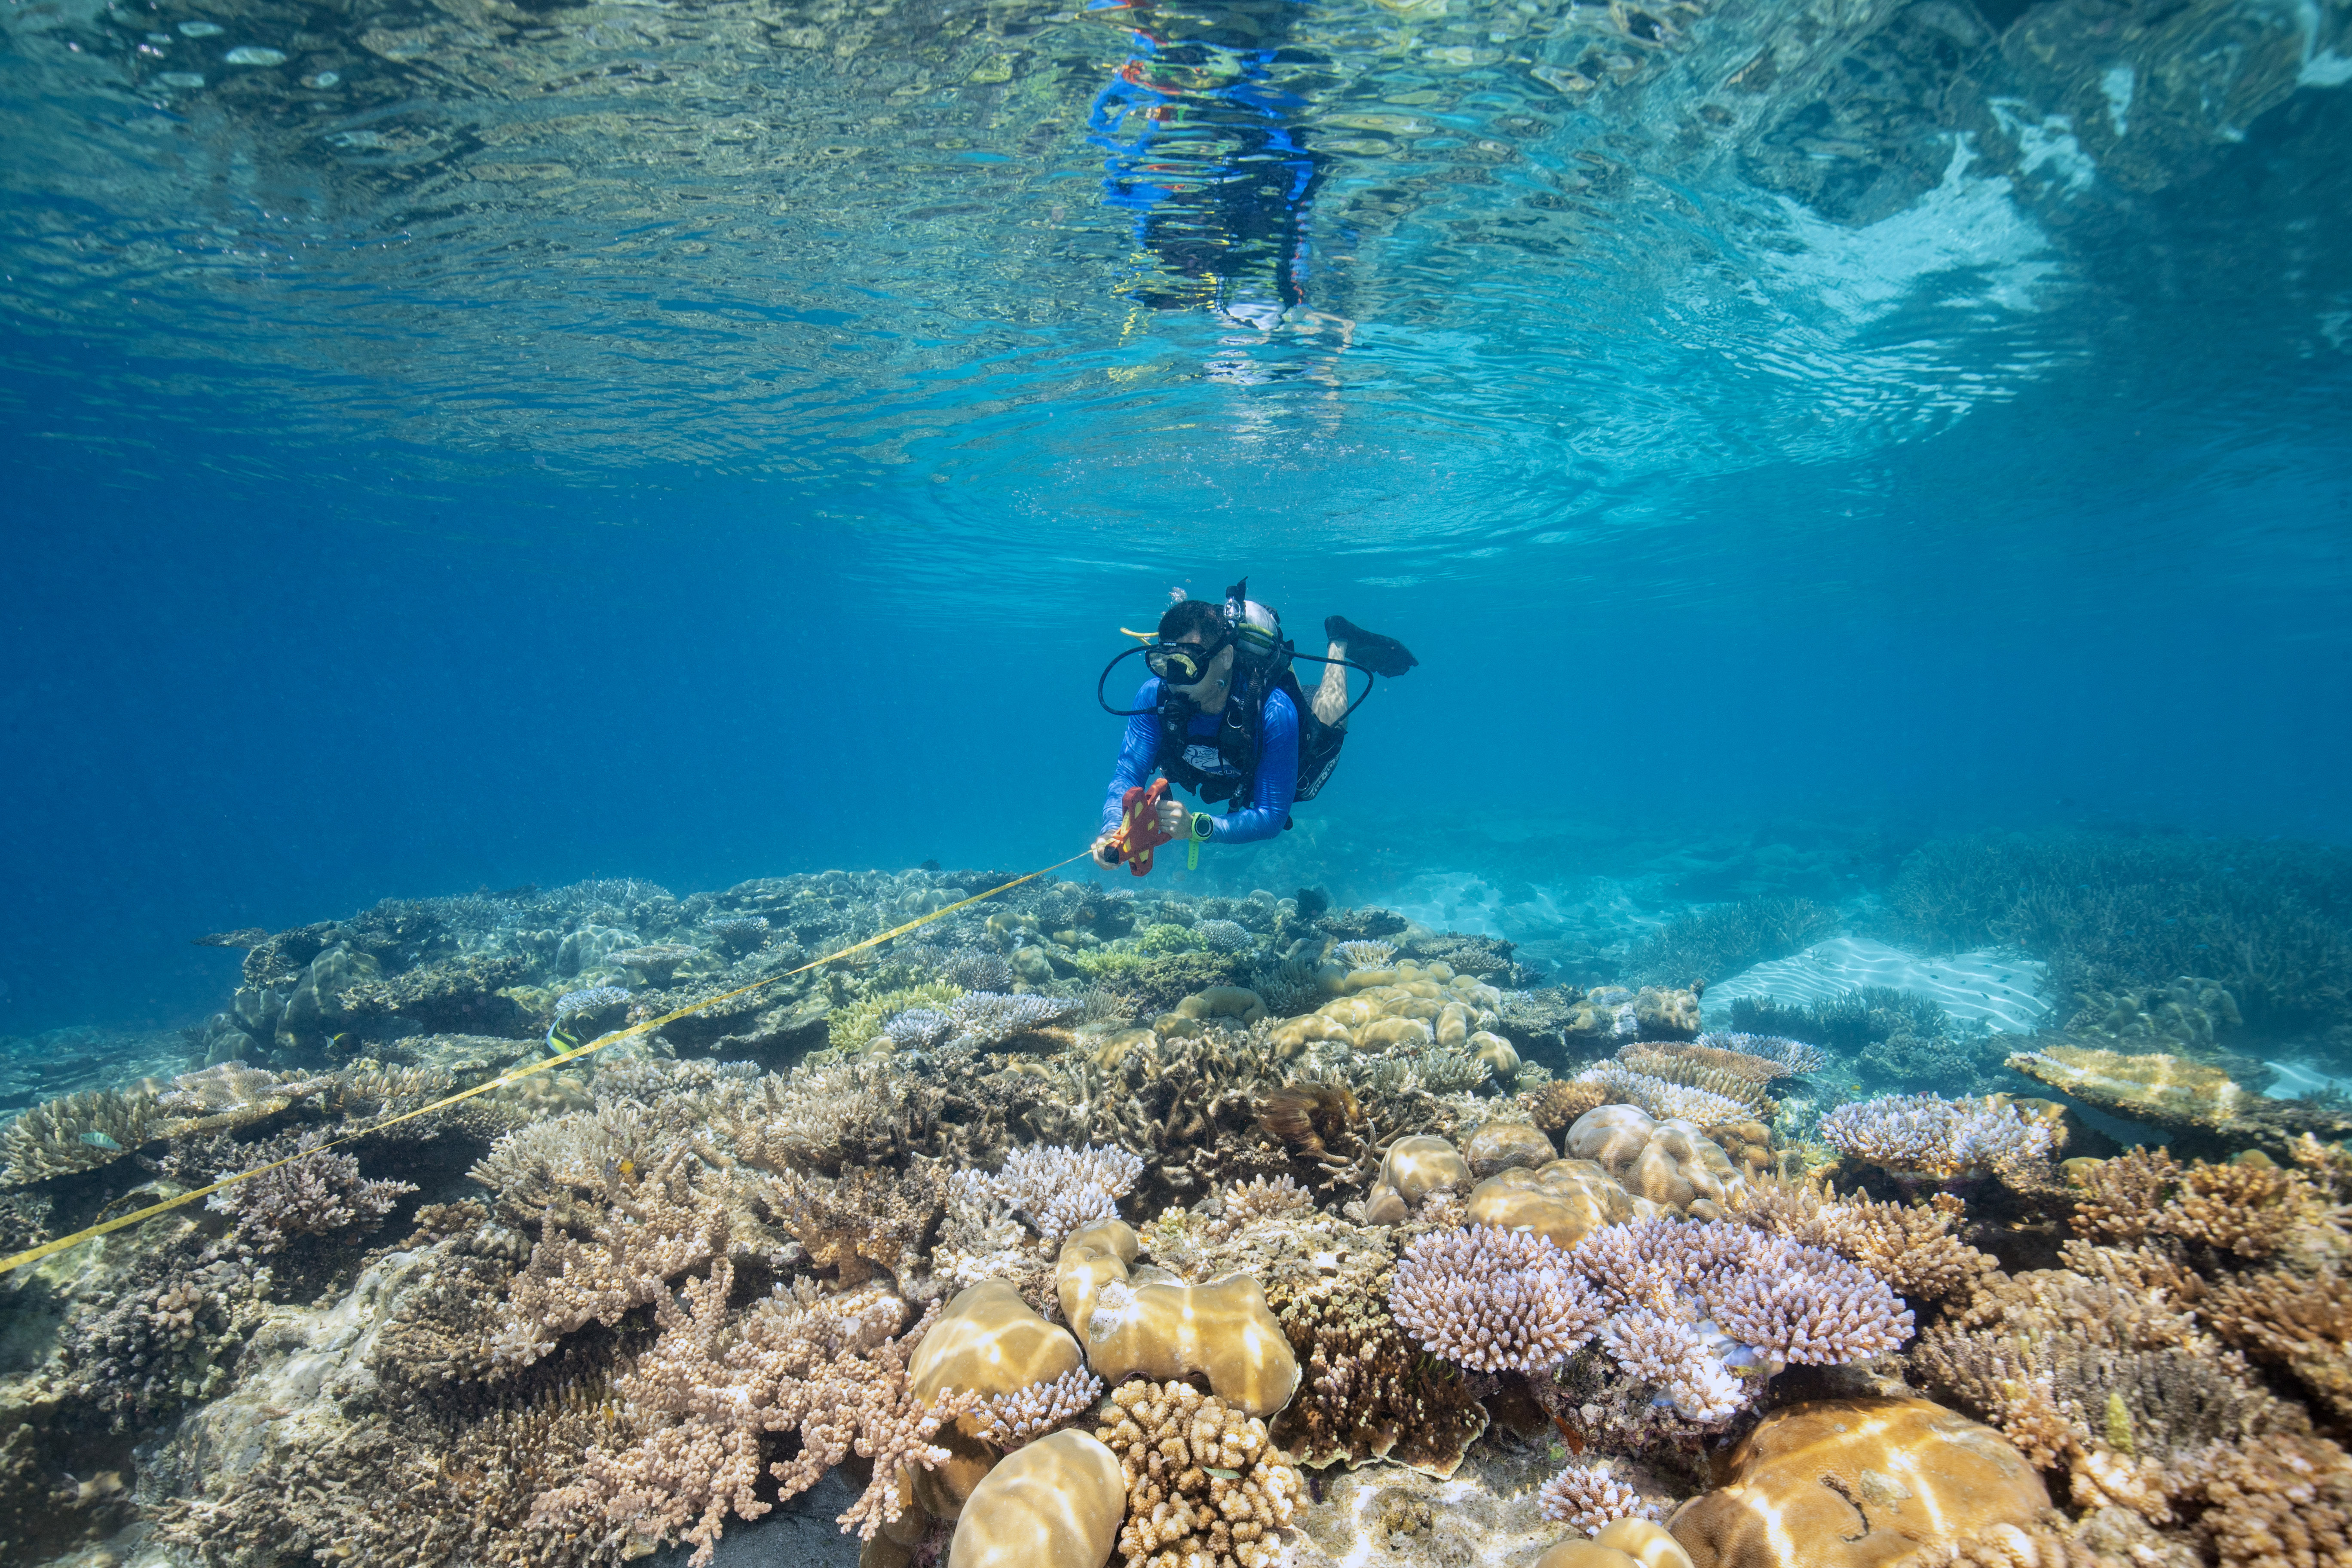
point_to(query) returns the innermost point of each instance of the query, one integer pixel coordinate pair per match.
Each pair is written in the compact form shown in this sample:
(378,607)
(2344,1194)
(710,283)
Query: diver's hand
(1102,849)
(1175,820)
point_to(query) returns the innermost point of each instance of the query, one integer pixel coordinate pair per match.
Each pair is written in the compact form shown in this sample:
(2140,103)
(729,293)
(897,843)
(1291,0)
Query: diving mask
(1183,663)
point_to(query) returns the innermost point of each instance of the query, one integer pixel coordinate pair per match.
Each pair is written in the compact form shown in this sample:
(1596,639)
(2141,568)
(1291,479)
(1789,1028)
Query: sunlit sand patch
(1983,986)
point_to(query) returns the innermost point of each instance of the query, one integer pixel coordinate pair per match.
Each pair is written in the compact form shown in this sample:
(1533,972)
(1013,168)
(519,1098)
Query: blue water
(1918,438)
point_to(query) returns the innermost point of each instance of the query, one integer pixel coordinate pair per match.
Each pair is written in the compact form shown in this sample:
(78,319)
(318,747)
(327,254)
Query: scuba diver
(1222,715)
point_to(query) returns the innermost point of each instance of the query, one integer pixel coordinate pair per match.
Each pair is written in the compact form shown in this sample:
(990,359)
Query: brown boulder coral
(1206,1486)
(1848,1483)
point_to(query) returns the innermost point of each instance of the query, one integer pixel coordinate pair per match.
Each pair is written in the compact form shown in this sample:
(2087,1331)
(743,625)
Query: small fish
(100,1140)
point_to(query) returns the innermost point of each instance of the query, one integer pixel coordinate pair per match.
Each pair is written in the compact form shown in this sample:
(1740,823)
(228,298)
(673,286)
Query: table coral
(1206,1486)
(2153,1087)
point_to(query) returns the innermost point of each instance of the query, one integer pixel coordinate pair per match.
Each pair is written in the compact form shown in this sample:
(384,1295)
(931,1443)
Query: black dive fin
(1381,656)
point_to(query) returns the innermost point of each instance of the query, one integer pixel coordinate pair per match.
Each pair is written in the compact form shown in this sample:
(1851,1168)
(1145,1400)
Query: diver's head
(1195,655)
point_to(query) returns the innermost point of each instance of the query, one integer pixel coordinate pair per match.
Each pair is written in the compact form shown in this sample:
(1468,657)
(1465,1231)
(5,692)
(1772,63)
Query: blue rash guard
(1277,764)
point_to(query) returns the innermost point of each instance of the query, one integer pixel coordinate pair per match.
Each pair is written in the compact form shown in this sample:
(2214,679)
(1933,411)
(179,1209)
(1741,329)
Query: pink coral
(1494,1299)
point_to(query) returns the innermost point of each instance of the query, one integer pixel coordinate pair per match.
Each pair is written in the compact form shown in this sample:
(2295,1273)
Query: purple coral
(983,1018)
(918,1029)
(1804,1305)
(1927,1135)
(977,969)
(1494,1301)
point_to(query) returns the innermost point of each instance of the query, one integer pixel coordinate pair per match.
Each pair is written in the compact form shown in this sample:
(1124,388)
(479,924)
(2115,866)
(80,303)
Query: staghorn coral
(1926,1135)
(1056,1190)
(657,1224)
(2284,1501)
(77,1132)
(1665,1101)
(1206,1486)
(565,1156)
(1911,1247)
(866,1219)
(1588,1497)
(714,1384)
(1494,1299)
(1009,1420)
(2302,1324)
(827,1118)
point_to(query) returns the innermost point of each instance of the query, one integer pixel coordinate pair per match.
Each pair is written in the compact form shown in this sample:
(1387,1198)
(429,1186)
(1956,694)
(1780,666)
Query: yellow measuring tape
(516,1074)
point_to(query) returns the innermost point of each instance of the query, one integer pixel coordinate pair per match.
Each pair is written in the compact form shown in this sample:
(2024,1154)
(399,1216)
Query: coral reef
(1714,943)
(1494,1299)
(2153,1087)
(668,1287)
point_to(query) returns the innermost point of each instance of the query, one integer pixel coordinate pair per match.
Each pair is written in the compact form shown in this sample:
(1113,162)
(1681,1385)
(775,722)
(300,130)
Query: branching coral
(168,1332)
(1664,1100)
(2118,1199)
(1559,1104)
(1029,1413)
(656,1225)
(1206,1486)
(1910,1247)
(986,1021)
(1588,1497)
(2304,1325)
(2244,1209)
(2284,1501)
(867,1219)
(79,1132)
(1056,1190)
(1494,1299)
(977,969)
(1927,1135)
(1785,1057)
(714,1384)
(319,1193)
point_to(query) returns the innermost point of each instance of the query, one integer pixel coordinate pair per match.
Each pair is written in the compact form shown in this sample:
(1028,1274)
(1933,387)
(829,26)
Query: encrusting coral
(1206,1486)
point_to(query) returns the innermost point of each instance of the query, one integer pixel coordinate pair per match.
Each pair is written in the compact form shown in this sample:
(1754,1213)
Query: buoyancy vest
(1225,767)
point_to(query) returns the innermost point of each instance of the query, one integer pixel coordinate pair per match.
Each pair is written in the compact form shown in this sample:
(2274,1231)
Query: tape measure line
(516,1074)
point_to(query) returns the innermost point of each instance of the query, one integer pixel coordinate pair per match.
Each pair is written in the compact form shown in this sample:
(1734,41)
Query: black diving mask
(1183,663)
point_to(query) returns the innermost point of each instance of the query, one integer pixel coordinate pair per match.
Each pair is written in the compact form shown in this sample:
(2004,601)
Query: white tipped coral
(1494,1301)
(1929,1136)
(1056,1189)
(1588,1497)
(1660,1098)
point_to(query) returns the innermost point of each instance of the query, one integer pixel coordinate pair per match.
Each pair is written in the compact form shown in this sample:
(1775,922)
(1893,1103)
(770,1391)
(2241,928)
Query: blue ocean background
(2022,505)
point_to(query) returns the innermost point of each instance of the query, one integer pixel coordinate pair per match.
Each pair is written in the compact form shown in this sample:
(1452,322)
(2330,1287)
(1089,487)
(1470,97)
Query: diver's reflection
(1210,154)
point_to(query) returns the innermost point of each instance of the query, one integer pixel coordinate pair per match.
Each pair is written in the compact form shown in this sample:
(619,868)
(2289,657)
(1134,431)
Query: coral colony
(1250,1231)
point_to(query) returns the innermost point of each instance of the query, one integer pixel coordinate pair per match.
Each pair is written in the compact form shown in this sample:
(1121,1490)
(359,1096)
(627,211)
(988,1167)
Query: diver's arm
(1277,778)
(1137,754)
